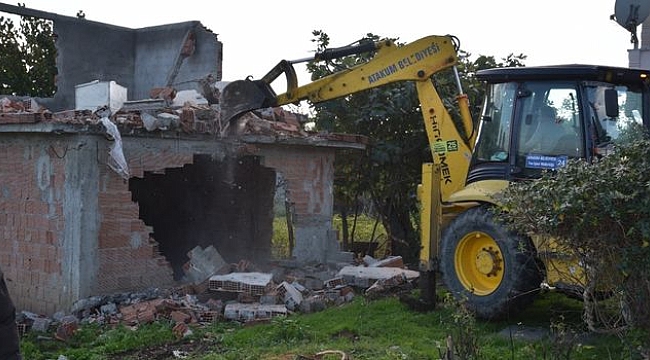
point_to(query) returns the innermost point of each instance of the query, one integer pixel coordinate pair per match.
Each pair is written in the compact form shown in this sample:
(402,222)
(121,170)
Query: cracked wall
(73,228)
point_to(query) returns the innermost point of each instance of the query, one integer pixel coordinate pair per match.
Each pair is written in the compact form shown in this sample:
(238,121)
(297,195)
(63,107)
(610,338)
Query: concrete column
(79,263)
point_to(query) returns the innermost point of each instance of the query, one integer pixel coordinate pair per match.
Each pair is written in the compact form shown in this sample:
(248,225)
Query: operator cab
(536,118)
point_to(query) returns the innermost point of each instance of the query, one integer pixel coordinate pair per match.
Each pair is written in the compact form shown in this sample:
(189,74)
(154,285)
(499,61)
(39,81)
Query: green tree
(389,171)
(27,64)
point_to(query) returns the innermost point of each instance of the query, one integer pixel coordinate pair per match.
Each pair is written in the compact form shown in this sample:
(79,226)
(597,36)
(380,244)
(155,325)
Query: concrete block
(332,283)
(41,324)
(251,312)
(203,263)
(209,316)
(342,257)
(253,283)
(339,301)
(290,295)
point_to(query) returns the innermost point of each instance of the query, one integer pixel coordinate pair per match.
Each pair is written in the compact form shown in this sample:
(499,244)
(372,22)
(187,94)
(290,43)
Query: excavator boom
(415,61)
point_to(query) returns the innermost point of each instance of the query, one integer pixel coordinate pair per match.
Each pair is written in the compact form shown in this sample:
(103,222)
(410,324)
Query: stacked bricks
(31,219)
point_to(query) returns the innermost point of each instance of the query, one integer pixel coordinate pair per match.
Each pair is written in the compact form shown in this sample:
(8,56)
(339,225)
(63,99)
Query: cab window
(493,143)
(614,112)
(550,131)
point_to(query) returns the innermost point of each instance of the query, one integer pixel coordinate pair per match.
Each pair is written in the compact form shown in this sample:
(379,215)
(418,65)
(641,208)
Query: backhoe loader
(533,119)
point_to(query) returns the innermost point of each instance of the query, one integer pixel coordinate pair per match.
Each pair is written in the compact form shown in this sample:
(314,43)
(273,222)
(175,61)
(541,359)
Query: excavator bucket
(241,96)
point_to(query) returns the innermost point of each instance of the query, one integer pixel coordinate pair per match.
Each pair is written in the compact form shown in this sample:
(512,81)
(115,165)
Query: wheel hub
(479,263)
(488,262)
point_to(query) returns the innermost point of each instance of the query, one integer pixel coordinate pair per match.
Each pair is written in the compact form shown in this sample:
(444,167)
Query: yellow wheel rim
(479,263)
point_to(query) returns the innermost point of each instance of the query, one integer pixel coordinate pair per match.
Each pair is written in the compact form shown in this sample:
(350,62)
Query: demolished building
(98,199)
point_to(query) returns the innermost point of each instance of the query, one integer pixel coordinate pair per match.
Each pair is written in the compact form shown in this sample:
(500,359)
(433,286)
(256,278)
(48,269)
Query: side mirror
(611,103)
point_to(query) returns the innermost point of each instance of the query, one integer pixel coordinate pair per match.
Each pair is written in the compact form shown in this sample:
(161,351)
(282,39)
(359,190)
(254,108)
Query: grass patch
(94,342)
(365,329)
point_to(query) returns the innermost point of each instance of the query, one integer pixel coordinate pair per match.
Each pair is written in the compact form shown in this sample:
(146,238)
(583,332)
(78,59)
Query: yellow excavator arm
(417,61)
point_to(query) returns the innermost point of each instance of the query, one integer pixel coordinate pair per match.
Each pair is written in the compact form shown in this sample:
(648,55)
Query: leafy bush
(600,213)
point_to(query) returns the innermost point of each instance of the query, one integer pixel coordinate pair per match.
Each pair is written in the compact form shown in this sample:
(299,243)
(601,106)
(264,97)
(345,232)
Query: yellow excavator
(533,119)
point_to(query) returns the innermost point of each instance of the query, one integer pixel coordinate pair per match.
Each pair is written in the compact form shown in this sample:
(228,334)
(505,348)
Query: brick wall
(31,222)
(69,227)
(128,256)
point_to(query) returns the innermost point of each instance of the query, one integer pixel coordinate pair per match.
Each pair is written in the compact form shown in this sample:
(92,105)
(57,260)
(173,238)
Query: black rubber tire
(522,271)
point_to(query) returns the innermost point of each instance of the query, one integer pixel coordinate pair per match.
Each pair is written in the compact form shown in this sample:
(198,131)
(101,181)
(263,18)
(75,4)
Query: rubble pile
(235,292)
(185,111)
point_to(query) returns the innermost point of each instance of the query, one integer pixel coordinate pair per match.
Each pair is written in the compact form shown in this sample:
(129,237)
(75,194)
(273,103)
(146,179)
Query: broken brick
(181,330)
(19,118)
(179,316)
(141,313)
(67,328)
(187,119)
